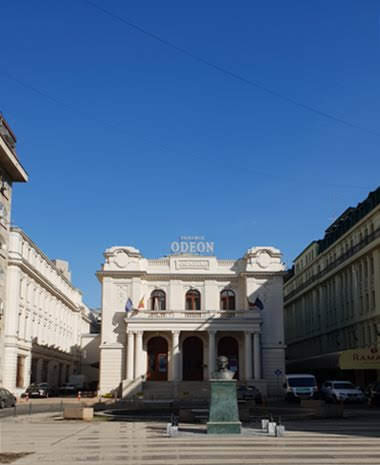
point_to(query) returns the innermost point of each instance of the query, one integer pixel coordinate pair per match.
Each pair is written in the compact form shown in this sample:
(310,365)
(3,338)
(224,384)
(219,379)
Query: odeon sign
(192,244)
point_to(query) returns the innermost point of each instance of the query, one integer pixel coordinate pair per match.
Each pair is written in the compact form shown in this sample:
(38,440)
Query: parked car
(68,389)
(300,386)
(39,390)
(373,394)
(7,399)
(249,393)
(341,391)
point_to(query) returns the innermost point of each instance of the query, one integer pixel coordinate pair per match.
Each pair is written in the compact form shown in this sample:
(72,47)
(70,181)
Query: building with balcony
(168,319)
(11,171)
(332,299)
(43,320)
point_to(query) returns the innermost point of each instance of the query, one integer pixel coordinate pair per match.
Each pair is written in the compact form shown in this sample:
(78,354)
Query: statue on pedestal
(224,412)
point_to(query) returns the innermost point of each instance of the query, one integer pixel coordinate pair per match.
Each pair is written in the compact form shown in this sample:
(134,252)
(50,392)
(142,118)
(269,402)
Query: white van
(300,386)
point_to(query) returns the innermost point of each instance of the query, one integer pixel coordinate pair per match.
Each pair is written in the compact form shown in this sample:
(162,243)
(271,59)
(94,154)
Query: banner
(366,358)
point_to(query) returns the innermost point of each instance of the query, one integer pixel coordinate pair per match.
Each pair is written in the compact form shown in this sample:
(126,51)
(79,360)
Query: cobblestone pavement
(347,441)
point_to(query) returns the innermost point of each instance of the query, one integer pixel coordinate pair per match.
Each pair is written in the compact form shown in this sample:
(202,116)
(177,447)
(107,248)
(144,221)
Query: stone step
(173,390)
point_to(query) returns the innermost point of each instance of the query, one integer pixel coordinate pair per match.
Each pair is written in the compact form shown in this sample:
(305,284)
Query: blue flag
(128,305)
(257,303)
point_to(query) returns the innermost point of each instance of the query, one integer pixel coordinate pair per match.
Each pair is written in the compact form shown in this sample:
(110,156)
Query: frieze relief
(192,264)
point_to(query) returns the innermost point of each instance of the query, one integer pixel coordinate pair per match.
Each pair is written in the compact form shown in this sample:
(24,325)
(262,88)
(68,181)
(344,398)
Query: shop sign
(367,358)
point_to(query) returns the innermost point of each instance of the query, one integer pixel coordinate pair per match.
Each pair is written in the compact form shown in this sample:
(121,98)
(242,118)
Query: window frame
(193,296)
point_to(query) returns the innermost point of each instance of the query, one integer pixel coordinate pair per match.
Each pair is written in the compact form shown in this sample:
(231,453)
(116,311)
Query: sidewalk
(53,441)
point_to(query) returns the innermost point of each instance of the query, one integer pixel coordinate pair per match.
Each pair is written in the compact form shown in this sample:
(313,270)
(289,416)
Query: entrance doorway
(229,347)
(192,359)
(157,359)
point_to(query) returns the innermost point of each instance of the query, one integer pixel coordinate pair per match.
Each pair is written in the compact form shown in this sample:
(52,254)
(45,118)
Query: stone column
(248,354)
(131,355)
(175,355)
(257,355)
(139,369)
(211,353)
(39,364)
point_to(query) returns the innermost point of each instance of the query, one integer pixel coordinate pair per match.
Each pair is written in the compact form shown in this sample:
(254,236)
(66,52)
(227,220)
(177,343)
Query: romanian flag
(141,303)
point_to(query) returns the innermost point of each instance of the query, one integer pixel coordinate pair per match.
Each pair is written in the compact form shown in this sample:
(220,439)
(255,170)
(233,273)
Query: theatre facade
(168,319)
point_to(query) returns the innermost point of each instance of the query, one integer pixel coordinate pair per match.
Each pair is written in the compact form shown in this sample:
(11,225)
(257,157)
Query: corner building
(332,299)
(43,320)
(11,171)
(187,310)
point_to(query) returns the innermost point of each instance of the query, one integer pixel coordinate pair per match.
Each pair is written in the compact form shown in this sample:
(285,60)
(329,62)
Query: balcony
(341,259)
(194,315)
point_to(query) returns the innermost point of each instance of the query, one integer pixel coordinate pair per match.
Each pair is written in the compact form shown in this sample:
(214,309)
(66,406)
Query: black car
(39,390)
(249,393)
(68,389)
(7,399)
(373,394)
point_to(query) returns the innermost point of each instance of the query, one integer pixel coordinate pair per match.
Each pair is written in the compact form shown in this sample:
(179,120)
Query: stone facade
(332,295)
(43,319)
(187,309)
(11,171)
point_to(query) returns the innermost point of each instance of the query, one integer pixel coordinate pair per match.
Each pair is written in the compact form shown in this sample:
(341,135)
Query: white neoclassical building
(11,171)
(44,317)
(168,319)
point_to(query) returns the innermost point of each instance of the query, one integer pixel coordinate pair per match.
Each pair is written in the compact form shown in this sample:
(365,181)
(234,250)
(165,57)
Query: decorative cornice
(48,285)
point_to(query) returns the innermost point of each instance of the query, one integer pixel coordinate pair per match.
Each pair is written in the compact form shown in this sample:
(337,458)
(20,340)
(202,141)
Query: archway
(157,359)
(229,347)
(192,359)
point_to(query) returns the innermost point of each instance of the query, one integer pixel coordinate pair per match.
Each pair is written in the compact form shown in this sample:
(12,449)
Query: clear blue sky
(130,142)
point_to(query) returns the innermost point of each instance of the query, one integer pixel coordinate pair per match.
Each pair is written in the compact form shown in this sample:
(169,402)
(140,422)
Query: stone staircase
(176,390)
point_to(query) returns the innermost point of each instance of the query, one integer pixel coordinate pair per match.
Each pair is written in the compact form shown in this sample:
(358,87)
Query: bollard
(280,430)
(79,395)
(264,424)
(272,428)
(27,396)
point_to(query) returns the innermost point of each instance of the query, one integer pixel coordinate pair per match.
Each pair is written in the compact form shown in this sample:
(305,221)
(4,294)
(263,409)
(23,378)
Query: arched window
(158,300)
(227,300)
(193,300)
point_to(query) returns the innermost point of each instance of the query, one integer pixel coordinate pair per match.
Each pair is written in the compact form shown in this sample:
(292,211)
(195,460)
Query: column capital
(212,331)
(248,332)
(131,332)
(176,332)
(139,332)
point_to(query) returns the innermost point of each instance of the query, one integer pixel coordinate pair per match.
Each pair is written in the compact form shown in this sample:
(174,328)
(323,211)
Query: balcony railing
(342,258)
(193,314)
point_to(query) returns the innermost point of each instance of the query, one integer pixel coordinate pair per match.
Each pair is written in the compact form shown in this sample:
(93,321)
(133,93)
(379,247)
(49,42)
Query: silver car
(341,391)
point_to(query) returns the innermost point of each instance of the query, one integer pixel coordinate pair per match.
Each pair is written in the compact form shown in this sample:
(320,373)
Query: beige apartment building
(44,319)
(332,299)
(11,171)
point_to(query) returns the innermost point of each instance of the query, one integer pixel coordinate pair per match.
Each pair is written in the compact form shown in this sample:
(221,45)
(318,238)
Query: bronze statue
(222,371)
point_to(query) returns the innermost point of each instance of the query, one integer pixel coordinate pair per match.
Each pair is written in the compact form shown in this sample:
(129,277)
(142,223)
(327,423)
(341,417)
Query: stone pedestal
(78,413)
(224,413)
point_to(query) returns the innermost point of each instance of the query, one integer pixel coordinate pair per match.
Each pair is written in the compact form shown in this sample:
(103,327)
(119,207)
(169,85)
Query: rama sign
(192,245)
(367,358)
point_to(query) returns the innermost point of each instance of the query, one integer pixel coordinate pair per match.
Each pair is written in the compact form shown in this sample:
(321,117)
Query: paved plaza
(353,440)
